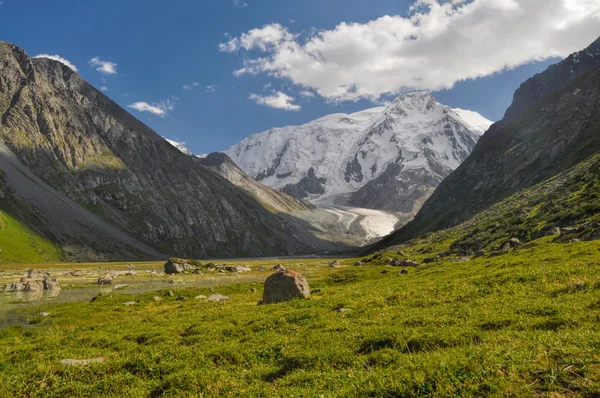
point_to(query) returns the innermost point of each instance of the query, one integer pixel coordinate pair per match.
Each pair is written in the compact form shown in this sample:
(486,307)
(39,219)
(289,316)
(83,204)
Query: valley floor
(520,324)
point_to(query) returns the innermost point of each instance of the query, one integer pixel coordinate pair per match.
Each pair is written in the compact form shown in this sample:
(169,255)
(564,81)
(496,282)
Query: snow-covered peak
(180,146)
(411,143)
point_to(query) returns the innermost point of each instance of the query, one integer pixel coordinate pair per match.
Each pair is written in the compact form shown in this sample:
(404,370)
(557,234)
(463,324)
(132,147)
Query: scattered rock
(200,297)
(253,290)
(180,298)
(81,362)
(34,273)
(129,303)
(130,266)
(170,293)
(570,230)
(121,286)
(285,286)
(212,290)
(409,263)
(216,298)
(404,271)
(76,273)
(237,268)
(479,253)
(153,273)
(106,279)
(50,284)
(178,265)
(334,264)
(342,310)
(385,271)
(44,314)
(396,262)
(401,253)
(34,286)
(198,272)
(279,267)
(514,242)
(261,268)
(429,260)
(358,264)
(129,273)
(156,298)
(14,287)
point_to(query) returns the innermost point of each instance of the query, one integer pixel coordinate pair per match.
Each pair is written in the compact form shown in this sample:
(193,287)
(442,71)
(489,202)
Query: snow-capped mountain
(389,158)
(179,146)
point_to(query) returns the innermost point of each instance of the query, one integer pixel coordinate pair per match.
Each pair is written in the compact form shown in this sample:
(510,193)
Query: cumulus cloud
(240,4)
(211,88)
(108,68)
(187,87)
(437,45)
(104,88)
(277,100)
(57,58)
(161,109)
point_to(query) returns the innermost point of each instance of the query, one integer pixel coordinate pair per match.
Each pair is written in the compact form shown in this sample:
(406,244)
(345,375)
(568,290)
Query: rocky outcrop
(285,286)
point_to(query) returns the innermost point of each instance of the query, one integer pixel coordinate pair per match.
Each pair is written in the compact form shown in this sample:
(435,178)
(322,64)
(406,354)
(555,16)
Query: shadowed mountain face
(553,124)
(79,143)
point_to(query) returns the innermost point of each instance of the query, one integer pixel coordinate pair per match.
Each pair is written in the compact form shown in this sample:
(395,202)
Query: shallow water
(16,307)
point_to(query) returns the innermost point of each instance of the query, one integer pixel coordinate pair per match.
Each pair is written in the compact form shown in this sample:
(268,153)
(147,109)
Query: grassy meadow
(520,324)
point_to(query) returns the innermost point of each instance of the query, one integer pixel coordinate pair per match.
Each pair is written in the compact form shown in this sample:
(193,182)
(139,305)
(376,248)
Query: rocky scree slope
(388,158)
(88,148)
(548,137)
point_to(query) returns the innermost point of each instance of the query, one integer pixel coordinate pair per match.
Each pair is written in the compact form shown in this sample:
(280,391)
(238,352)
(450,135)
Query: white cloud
(57,58)
(186,87)
(211,88)
(104,88)
(240,4)
(436,46)
(195,84)
(277,100)
(108,68)
(307,94)
(160,109)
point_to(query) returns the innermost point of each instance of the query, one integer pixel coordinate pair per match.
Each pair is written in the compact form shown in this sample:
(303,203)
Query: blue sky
(159,47)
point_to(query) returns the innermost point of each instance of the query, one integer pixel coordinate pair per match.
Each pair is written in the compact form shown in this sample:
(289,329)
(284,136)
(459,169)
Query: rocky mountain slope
(530,145)
(98,158)
(388,158)
(273,200)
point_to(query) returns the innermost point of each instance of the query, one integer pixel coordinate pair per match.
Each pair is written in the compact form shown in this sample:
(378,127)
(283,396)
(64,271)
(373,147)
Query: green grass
(522,324)
(19,243)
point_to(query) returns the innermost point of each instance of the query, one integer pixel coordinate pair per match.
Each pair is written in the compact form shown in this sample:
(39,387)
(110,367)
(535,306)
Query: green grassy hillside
(522,324)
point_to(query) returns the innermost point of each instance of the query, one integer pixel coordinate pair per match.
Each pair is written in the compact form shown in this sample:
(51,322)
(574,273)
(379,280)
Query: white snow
(404,131)
(375,223)
(180,146)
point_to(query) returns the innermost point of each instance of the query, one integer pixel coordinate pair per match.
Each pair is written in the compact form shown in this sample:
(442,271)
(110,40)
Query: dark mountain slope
(88,148)
(557,132)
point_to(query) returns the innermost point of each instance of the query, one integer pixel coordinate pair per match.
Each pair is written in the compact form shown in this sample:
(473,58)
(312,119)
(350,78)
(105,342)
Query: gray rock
(34,286)
(106,279)
(237,268)
(334,264)
(81,362)
(76,273)
(285,286)
(157,298)
(409,263)
(279,267)
(216,298)
(479,253)
(201,297)
(14,287)
(129,303)
(178,266)
(50,284)
(358,264)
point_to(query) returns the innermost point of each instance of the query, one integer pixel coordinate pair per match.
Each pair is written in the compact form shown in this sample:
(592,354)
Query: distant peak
(419,101)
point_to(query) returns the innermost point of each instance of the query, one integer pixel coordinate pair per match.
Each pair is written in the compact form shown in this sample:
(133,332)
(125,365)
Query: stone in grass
(81,362)
(285,286)
(279,267)
(178,265)
(34,286)
(334,264)
(201,297)
(129,303)
(106,279)
(217,298)
(156,298)
(44,314)
(121,286)
(341,310)
(76,273)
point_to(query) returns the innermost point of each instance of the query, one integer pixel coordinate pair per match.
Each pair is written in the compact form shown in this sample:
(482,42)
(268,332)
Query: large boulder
(178,265)
(34,273)
(334,264)
(14,287)
(237,268)
(279,267)
(285,286)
